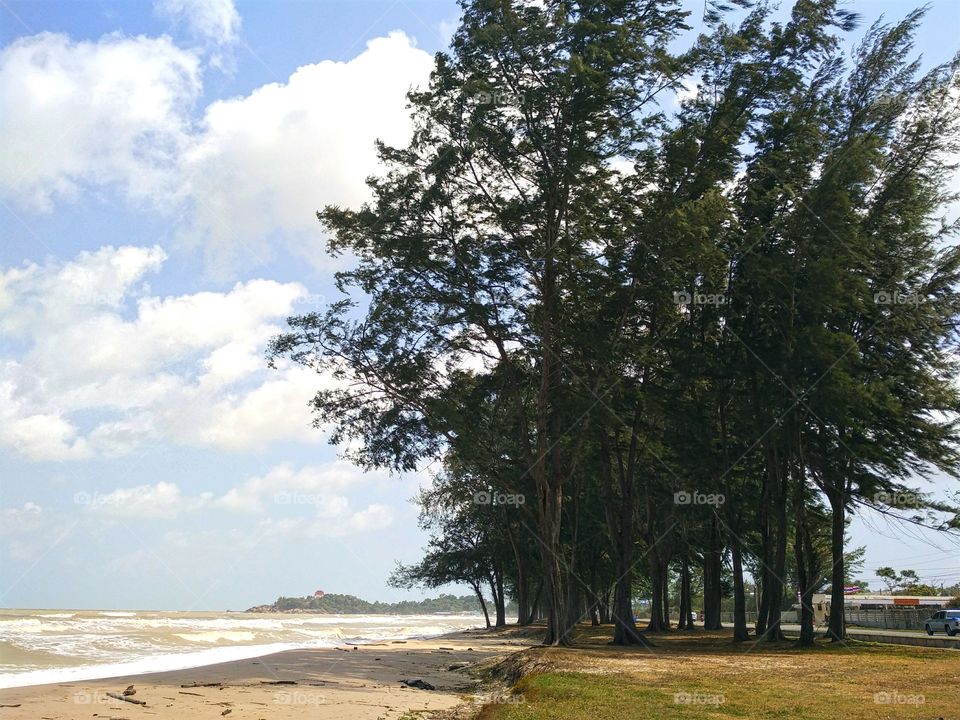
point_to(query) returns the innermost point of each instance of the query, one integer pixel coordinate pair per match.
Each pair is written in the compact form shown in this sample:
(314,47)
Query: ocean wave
(88,641)
(212,636)
(139,666)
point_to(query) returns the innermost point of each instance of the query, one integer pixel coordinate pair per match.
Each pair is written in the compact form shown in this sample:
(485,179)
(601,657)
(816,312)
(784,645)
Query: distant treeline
(334,603)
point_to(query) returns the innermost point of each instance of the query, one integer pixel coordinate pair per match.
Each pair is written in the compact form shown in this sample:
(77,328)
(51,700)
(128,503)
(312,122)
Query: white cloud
(334,524)
(214,20)
(187,369)
(247,175)
(162,500)
(268,161)
(20,520)
(690,90)
(306,502)
(84,114)
(283,485)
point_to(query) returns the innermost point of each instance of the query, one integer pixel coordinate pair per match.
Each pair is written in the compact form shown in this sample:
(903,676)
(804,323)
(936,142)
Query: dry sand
(358,684)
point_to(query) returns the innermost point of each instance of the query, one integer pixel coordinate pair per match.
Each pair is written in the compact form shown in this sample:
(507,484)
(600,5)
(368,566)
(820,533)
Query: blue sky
(159,170)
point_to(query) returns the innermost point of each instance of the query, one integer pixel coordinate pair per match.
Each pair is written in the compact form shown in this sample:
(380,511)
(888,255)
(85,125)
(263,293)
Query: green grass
(723,680)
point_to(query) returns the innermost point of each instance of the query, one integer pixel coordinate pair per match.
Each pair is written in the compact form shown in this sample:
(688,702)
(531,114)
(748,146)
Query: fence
(787,617)
(889,619)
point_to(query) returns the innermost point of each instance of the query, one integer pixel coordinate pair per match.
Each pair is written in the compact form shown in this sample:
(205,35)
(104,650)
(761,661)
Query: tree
(723,319)
(477,234)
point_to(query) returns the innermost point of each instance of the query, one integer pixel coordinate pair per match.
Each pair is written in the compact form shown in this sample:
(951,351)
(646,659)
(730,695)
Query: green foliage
(763,308)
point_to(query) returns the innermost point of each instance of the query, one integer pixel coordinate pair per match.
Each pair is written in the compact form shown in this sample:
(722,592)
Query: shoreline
(185,646)
(355,682)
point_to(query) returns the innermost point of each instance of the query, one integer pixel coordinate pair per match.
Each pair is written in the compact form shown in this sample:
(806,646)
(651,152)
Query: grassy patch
(704,675)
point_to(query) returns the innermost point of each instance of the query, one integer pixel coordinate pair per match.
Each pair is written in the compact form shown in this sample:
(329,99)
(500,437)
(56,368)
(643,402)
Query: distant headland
(333,603)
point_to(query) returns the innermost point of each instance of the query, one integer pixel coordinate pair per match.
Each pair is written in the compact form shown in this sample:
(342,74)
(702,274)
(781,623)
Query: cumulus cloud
(77,115)
(243,177)
(301,502)
(215,20)
(284,485)
(263,164)
(21,519)
(162,500)
(187,369)
(330,524)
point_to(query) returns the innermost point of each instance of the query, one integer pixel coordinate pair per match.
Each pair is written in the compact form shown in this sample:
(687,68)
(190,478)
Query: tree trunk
(739,598)
(665,589)
(535,613)
(773,577)
(558,632)
(685,621)
(837,628)
(500,600)
(605,608)
(763,599)
(800,555)
(483,604)
(656,623)
(712,589)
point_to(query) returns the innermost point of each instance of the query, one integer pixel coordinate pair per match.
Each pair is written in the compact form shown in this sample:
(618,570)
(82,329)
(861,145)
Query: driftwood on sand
(118,696)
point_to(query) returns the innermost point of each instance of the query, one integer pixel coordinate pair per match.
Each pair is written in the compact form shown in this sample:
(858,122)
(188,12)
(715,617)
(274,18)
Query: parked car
(949,620)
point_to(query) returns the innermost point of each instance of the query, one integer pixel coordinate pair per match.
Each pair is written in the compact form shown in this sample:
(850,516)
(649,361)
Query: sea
(50,646)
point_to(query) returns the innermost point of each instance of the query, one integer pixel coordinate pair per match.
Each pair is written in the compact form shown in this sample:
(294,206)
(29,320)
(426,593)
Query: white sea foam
(44,647)
(155,663)
(212,636)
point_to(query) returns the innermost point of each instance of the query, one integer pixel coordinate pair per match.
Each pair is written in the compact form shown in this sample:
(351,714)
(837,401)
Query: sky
(160,167)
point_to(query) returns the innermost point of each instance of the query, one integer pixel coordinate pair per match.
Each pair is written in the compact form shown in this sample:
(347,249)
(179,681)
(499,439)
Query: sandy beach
(354,682)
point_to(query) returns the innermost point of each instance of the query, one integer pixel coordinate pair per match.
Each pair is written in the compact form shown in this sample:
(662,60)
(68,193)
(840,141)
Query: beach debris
(118,696)
(459,665)
(17,705)
(184,692)
(399,642)
(227,711)
(130,690)
(196,684)
(278,682)
(418,683)
(444,648)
